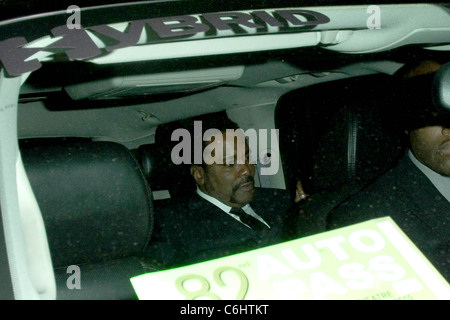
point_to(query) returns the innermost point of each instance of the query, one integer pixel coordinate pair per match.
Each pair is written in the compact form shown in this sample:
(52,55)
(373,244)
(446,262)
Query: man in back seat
(226,214)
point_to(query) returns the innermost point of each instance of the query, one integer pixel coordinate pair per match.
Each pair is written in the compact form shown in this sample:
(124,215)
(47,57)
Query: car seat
(98,214)
(335,138)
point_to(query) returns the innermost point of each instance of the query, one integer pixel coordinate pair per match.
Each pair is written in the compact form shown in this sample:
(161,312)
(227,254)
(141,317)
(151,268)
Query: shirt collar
(216,202)
(225,208)
(441,182)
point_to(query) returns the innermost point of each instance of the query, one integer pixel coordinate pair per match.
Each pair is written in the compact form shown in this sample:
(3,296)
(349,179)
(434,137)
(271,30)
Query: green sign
(373,260)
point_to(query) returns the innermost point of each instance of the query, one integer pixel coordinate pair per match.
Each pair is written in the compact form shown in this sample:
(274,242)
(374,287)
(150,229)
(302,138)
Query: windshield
(294,149)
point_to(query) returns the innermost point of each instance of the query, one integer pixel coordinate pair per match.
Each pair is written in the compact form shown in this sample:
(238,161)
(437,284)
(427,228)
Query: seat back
(97,210)
(335,138)
(339,133)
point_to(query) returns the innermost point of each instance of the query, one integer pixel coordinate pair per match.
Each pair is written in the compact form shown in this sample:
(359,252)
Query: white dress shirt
(225,208)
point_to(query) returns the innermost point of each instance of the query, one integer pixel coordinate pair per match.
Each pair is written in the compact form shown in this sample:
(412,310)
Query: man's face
(431,145)
(230,183)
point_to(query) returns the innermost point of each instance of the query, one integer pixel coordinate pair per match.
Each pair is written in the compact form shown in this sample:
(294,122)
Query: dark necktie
(252,222)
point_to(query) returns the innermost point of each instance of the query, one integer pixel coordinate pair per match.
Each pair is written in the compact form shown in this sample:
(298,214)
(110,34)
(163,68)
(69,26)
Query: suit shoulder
(398,193)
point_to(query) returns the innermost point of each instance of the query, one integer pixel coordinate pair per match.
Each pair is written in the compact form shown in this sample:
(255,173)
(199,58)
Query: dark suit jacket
(197,231)
(408,196)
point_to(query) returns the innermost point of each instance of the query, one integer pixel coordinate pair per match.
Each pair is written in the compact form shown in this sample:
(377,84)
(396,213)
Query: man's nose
(246,169)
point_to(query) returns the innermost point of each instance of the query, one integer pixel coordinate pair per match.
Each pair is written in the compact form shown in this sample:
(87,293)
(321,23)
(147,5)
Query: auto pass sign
(373,260)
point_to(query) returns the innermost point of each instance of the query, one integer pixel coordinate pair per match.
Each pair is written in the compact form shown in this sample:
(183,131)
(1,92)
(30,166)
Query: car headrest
(338,133)
(164,177)
(93,197)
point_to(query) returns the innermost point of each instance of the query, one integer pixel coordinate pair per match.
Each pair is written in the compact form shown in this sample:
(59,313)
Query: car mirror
(441,89)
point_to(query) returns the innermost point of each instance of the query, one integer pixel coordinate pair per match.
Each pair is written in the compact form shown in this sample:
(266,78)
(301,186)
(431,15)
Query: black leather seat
(335,138)
(97,210)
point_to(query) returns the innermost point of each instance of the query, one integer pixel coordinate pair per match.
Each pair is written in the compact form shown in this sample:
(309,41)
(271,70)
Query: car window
(104,113)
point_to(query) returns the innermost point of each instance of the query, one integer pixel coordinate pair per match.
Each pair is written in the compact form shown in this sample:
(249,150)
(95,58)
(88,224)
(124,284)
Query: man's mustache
(243,181)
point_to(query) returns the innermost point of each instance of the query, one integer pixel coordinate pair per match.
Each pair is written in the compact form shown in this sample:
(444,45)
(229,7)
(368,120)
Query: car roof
(21,8)
(161,79)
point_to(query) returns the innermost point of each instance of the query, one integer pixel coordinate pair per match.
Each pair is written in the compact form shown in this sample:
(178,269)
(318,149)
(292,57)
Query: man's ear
(197,173)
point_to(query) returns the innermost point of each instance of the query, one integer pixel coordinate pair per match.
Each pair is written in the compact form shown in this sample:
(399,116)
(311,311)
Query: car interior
(95,136)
